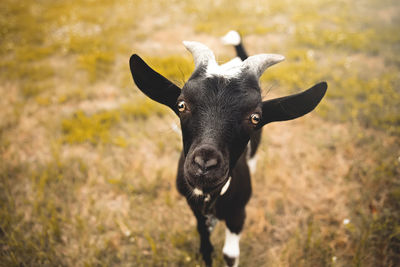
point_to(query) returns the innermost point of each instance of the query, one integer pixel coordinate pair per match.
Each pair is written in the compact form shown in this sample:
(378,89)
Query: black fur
(240,51)
(216,129)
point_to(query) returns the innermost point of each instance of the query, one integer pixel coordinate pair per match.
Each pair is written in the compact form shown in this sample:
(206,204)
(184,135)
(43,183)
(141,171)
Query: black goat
(221,110)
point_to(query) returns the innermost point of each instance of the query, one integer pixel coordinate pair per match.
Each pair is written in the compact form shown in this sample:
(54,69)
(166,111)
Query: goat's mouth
(219,188)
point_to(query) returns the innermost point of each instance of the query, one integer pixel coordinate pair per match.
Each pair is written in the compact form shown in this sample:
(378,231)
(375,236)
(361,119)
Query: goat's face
(217,116)
(220,107)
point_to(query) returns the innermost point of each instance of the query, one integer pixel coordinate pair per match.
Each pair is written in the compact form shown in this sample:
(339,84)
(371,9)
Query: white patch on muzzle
(198,192)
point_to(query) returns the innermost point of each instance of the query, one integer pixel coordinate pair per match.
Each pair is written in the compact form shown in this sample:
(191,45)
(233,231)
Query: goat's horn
(202,55)
(259,63)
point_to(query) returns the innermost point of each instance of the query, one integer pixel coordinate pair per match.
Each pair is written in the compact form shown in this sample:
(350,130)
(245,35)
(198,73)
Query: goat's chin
(207,188)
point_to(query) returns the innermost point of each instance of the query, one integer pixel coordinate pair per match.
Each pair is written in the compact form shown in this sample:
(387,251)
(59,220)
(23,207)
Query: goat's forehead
(241,91)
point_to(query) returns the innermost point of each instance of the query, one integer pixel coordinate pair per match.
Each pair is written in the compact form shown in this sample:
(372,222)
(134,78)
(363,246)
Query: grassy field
(87,167)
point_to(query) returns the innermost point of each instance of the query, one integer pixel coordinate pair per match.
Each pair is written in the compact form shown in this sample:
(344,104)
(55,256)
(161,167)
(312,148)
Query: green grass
(97,128)
(176,68)
(376,224)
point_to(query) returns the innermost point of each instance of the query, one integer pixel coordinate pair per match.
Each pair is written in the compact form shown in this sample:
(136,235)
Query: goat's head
(220,107)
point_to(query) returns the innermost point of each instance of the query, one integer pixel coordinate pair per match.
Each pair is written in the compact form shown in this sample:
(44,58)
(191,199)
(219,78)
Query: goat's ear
(293,106)
(153,84)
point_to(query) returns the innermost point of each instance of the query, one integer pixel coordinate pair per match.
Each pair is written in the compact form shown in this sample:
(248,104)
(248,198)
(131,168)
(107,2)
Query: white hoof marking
(231,246)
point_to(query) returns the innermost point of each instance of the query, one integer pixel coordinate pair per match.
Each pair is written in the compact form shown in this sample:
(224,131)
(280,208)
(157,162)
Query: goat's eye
(255,118)
(181,106)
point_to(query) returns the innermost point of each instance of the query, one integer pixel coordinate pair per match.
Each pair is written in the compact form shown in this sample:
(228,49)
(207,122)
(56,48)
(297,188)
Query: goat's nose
(208,164)
(206,158)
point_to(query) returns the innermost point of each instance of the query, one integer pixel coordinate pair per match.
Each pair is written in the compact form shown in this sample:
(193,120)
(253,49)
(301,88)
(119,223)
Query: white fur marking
(175,128)
(231,38)
(225,187)
(198,192)
(214,69)
(252,162)
(231,246)
(233,63)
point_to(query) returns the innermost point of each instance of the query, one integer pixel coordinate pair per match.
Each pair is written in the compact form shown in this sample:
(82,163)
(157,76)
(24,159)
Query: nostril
(205,159)
(211,163)
(199,161)
(205,165)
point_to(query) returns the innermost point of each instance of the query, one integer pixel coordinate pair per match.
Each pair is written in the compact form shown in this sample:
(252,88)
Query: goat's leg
(234,225)
(206,247)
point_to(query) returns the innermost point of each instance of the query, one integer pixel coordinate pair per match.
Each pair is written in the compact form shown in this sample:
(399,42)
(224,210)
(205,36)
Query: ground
(87,168)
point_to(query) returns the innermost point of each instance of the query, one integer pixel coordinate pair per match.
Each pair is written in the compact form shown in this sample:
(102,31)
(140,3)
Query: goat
(221,112)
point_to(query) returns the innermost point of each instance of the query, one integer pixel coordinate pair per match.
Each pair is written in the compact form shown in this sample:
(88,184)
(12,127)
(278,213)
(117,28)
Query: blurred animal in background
(221,114)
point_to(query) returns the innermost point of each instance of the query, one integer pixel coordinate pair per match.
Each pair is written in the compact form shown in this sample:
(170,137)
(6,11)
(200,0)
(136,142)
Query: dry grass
(87,167)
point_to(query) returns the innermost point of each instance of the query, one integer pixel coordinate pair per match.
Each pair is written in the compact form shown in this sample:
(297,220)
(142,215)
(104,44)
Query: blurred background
(87,168)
